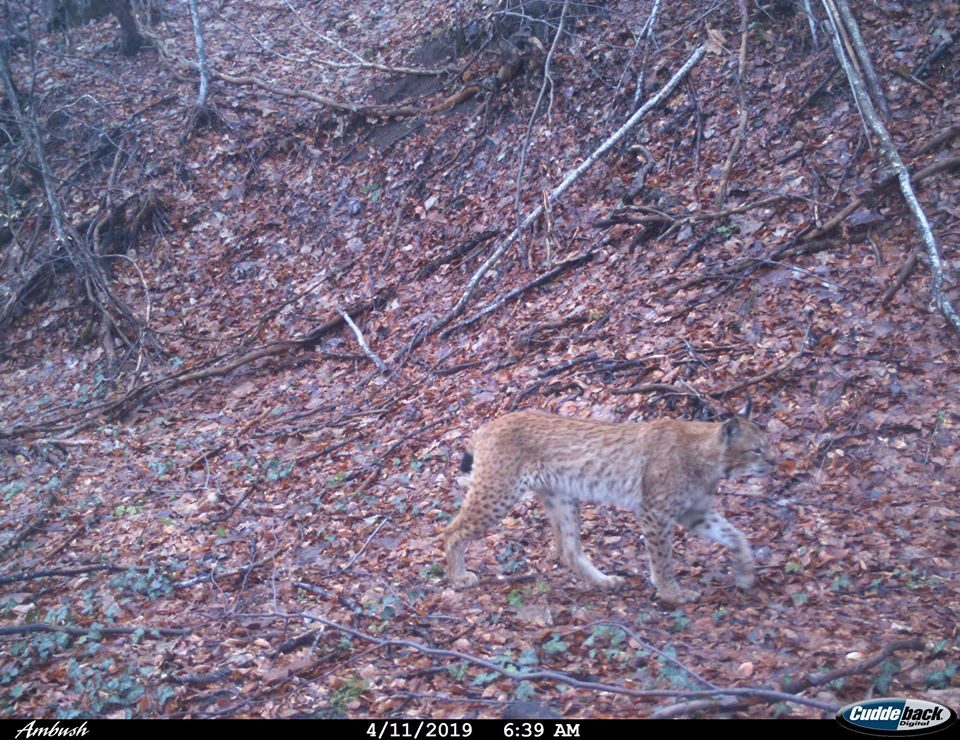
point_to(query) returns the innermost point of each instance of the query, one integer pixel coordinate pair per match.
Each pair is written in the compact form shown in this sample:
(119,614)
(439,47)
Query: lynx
(666,471)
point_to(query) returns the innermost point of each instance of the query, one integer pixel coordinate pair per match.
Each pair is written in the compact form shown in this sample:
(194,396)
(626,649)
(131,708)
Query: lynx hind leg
(486,503)
(715,527)
(564,515)
(658,536)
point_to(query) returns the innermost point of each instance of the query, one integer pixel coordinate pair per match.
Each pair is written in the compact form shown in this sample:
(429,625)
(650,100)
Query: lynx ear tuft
(745,411)
(731,428)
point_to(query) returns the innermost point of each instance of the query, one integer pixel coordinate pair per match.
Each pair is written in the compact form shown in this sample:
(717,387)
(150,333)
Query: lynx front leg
(713,526)
(565,521)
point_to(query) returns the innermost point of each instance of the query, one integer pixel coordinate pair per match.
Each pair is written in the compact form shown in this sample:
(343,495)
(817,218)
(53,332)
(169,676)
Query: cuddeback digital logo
(892,716)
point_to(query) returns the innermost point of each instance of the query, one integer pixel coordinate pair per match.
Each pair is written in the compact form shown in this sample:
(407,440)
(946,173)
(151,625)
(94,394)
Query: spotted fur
(665,471)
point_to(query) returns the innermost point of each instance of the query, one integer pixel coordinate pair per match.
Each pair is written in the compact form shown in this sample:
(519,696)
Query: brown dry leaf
(716,43)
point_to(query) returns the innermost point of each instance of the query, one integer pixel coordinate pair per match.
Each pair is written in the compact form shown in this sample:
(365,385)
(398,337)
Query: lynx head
(744,445)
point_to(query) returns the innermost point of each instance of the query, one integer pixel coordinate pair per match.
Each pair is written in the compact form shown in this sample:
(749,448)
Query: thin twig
(863,56)
(547,80)
(810,680)
(381,365)
(343,569)
(516,292)
(741,132)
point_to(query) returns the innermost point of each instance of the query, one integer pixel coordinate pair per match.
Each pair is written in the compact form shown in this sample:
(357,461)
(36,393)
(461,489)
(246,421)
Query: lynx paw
(468,580)
(610,583)
(678,596)
(744,579)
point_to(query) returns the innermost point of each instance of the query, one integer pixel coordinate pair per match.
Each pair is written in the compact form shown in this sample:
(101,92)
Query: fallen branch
(807,243)
(903,274)
(20,629)
(568,180)
(360,62)
(718,392)
(547,80)
(741,133)
(385,111)
(862,55)
(684,708)
(117,405)
(39,519)
(934,55)
(66,572)
(812,23)
(458,251)
(944,137)
(739,386)
(381,365)
(202,114)
(937,295)
(343,569)
(810,680)
(543,279)
(568,680)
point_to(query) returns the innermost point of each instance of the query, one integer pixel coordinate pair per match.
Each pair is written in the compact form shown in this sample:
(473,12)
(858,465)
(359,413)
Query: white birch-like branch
(863,56)
(381,365)
(872,120)
(201,56)
(645,34)
(811,21)
(570,178)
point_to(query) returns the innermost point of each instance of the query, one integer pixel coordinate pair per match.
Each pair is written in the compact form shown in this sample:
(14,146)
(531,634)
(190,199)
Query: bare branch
(863,56)
(743,102)
(872,120)
(381,365)
(201,56)
(547,80)
(570,178)
(548,675)
(812,23)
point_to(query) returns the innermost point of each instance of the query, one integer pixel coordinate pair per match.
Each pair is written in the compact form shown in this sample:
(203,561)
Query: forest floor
(181,547)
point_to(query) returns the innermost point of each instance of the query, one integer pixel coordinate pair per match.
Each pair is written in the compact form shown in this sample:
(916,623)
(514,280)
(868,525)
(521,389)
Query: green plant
(841,582)
(516,597)
(524,691)
(125,509)
(555,645)
(943,677)
(348,692)
(611,636)
(276,469)
(680,620)
(888,669)
(512,557)
(385,608)
(671,671)
(149,583)
(458,671)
